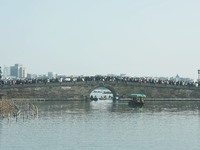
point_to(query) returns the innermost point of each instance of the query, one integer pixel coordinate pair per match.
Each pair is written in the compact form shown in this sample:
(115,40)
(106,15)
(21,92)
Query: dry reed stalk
(7,107)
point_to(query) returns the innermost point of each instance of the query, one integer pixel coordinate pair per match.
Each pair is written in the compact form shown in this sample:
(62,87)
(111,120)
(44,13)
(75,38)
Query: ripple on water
(76,125)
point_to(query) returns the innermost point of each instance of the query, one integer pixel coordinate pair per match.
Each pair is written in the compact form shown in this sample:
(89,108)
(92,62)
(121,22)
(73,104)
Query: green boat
(136,99)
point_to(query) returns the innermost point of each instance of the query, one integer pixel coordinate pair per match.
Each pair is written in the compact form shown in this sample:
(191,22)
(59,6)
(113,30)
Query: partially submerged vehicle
(136,99)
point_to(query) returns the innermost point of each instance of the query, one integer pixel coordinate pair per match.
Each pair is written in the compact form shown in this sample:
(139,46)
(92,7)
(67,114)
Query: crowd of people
(98,78)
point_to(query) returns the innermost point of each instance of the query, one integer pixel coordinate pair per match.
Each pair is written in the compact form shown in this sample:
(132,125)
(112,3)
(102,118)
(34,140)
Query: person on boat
(141,100)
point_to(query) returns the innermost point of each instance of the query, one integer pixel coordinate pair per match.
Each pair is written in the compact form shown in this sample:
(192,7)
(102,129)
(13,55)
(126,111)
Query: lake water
(109,126)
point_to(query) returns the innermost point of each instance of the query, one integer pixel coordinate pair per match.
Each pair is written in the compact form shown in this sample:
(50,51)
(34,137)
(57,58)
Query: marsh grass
(7,107)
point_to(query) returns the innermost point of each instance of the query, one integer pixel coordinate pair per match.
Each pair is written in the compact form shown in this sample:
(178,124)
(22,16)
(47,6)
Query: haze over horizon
(136,38)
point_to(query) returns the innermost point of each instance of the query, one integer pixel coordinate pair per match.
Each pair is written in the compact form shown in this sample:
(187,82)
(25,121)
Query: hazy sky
(89,37)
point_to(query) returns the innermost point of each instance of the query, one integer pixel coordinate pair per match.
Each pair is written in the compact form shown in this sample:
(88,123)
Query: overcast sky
(89,37)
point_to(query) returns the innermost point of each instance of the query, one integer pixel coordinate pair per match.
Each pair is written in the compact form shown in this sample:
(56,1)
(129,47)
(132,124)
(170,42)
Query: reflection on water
(104,125)
(118,106)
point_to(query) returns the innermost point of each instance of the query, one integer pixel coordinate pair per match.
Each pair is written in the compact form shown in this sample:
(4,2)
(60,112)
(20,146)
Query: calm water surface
(109,126)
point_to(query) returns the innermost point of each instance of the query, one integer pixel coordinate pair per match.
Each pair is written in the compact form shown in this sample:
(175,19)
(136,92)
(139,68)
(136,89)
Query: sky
(159,38)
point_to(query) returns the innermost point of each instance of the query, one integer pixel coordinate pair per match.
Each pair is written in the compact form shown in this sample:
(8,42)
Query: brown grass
(7,107)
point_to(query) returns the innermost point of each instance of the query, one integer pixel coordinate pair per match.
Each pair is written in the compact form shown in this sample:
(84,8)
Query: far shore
(120,100)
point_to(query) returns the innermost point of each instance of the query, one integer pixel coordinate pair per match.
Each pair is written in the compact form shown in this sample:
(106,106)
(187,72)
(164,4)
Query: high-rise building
(18,71)
(14,70)
(22,72)
(6,71)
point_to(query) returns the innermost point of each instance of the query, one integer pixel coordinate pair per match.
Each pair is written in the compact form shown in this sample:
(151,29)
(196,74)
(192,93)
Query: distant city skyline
(19,71)
(137,38)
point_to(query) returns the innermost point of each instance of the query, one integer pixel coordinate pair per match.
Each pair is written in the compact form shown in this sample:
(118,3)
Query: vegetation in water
(9,108)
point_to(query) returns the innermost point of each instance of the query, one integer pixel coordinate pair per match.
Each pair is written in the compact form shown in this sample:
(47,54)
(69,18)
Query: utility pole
(0,84)
(198,80)
(0,78)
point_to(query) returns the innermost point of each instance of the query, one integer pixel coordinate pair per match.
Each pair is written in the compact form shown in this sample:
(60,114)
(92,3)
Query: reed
(7,107)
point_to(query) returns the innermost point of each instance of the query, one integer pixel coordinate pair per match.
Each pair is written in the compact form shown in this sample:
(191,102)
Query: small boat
(136,100)
(93,98)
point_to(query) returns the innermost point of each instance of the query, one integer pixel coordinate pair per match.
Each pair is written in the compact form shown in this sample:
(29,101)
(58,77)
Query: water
(101,93)
(109,126)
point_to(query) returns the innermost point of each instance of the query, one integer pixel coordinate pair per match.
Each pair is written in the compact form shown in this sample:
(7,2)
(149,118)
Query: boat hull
(135,104)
